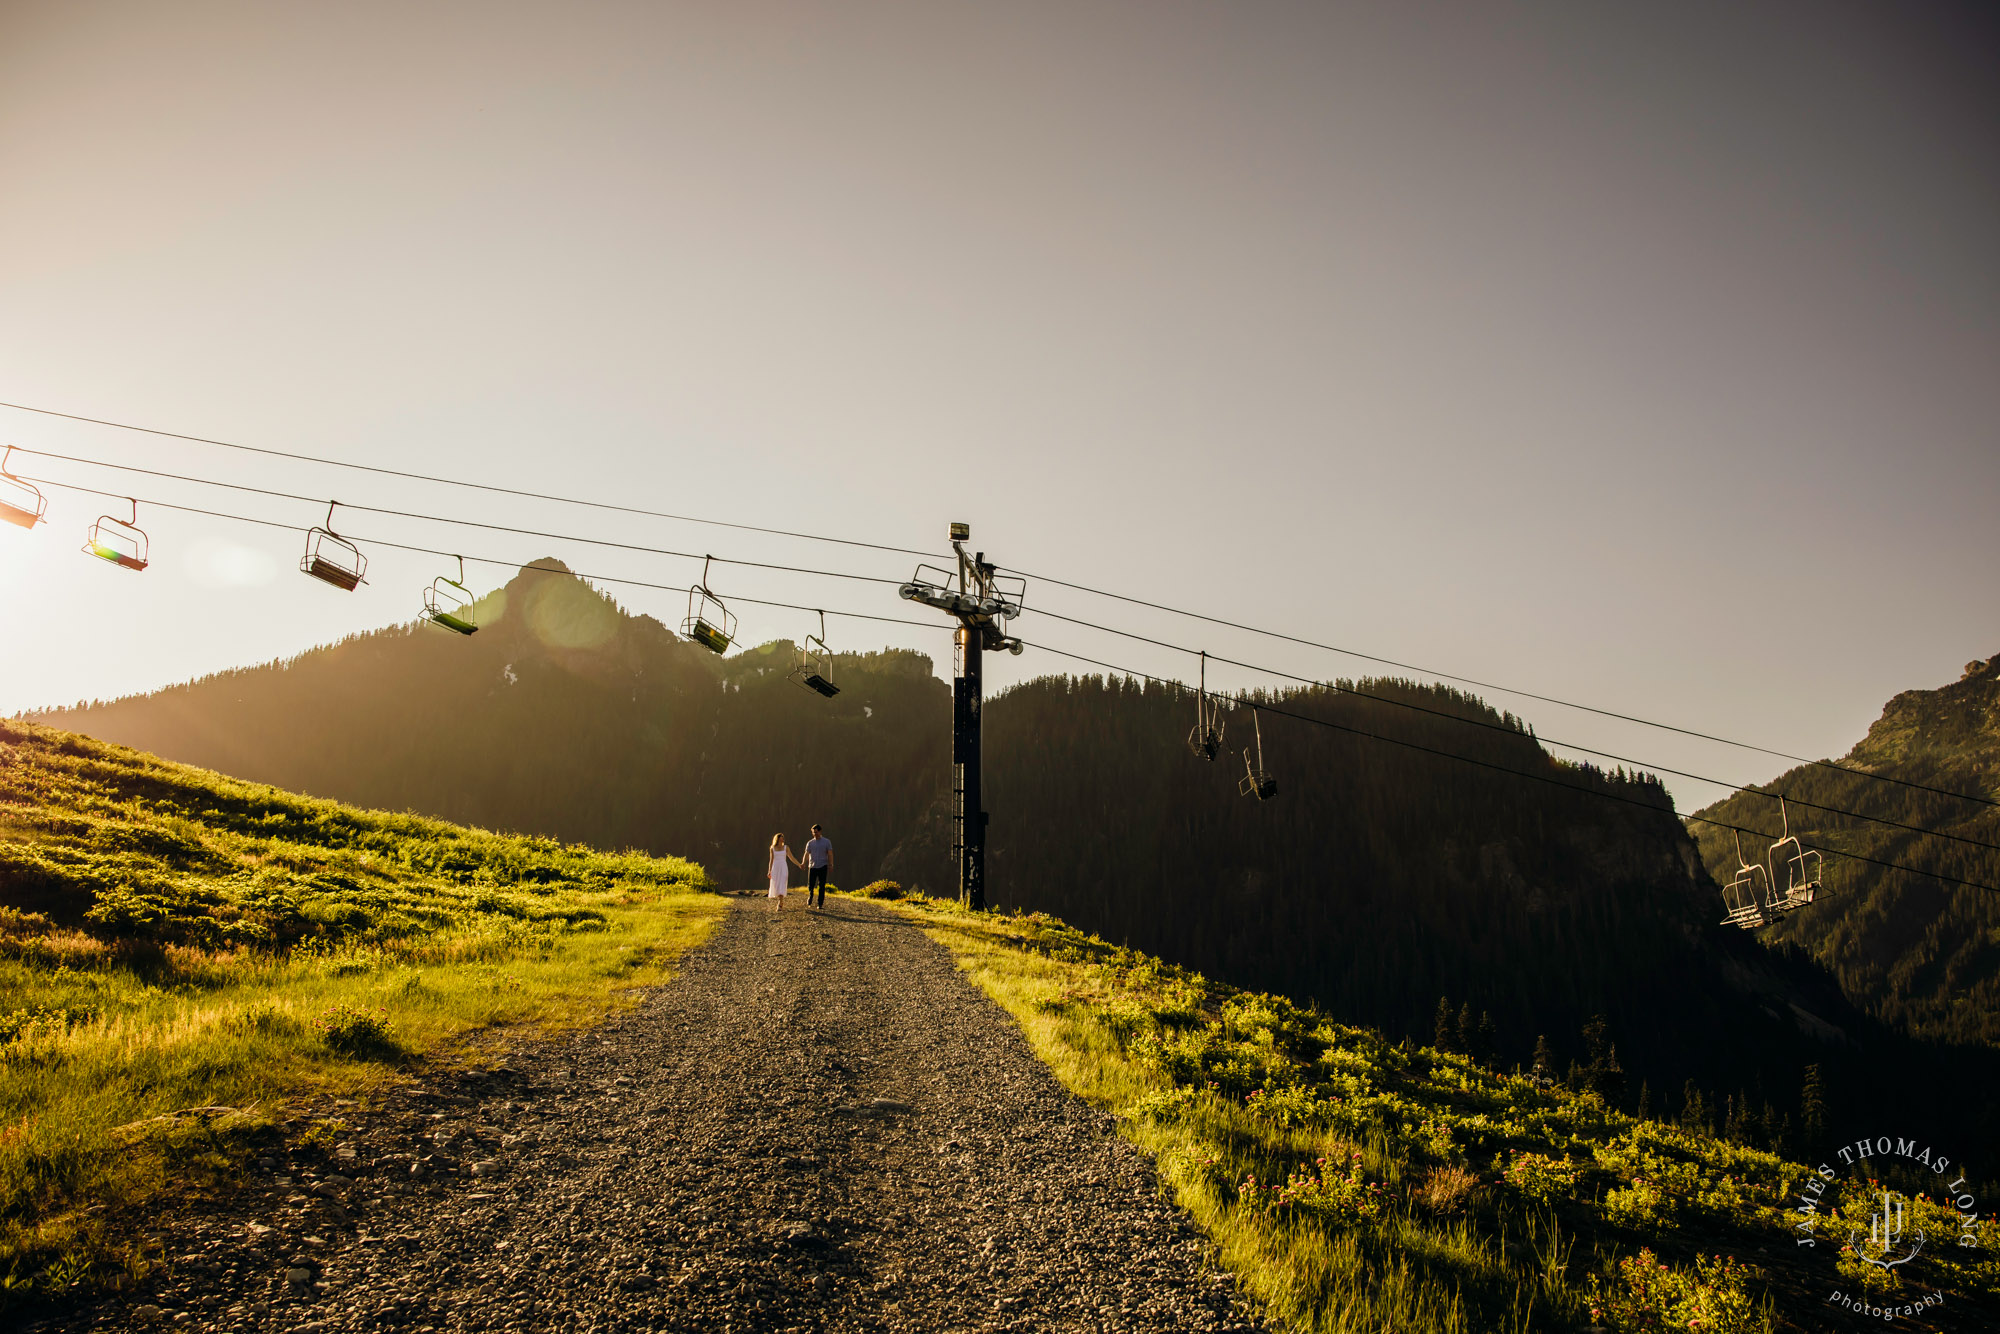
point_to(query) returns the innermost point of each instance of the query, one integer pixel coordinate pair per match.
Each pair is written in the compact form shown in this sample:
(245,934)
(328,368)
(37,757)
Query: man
(819,860)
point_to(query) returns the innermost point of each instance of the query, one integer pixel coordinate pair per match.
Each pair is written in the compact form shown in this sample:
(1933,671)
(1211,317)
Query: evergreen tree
(1645,1101)
(1446,1028)
(1812,1112)
(1695,1111)
(1603,1075)
(1485,1039)
(1468,1031)
(1544,1067)
(1736,1119)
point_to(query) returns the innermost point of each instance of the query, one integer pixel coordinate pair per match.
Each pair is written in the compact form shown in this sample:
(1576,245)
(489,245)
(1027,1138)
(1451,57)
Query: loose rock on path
(818,1125)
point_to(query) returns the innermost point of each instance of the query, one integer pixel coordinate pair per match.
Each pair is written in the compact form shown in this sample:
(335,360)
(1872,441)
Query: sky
(1646,356)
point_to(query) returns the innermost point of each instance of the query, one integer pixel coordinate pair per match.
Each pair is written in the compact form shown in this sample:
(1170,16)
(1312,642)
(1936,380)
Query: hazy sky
(1647,355)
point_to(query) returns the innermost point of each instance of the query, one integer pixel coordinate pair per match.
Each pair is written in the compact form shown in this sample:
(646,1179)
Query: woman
(782,861)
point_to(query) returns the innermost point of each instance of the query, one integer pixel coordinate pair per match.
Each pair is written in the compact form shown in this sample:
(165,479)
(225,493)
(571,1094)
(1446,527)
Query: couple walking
(817,861)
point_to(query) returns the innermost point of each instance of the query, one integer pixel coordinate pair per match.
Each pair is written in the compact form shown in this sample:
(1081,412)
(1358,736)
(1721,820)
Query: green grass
(1355,1185)
(185,958)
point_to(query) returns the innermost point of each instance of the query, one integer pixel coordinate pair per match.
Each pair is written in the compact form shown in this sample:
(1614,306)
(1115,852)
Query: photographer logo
(1874,1228)
(1884,1246)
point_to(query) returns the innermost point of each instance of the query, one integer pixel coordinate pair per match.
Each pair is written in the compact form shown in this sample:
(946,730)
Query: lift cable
(1749,788)
(461,523)
(1146,639)
(1041,578)
(459,481)
(1263,707)
(1504,690)
(484,560)
(893,620)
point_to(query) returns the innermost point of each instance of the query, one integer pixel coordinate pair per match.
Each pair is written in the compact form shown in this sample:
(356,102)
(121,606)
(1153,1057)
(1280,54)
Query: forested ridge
(566,716)
(1563,917)
(1920,954)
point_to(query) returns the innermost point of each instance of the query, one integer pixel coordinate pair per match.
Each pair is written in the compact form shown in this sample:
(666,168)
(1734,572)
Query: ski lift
(1788,880)
(1205,738)
(448,602)
(815,667)
(709,623)
(21,502)
(1800,867)
(1744,897)
(331,558)
(122,543)
(1255,781)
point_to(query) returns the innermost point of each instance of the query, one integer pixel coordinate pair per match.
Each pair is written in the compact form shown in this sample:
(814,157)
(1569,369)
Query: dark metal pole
(969,816)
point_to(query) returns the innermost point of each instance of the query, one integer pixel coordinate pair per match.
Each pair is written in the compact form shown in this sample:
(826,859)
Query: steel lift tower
(982,601)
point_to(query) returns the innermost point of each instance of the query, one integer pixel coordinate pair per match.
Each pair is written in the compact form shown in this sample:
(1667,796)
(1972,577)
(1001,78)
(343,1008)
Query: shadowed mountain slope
(565,716)
(1919,954)
(1382,878)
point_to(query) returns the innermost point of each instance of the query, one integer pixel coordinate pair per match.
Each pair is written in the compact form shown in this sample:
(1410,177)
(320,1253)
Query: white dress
(780,873)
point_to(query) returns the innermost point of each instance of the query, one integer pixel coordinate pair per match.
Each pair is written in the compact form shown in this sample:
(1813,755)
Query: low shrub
(354,1032)
(1541,1178)
(882,889)
(1445,1190)
(1712,1298)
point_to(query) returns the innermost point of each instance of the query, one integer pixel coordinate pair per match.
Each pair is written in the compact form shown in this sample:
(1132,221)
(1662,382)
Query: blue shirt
(819,850)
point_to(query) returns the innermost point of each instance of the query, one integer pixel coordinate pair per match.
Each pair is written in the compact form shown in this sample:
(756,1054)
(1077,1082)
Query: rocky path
(818,1125)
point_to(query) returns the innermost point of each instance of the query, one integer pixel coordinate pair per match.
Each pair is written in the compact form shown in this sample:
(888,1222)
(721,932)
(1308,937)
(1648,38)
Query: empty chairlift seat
(21,503)
(1256,781)
(814,669)
(331,558)
(123,543)
(1794,869)
(708,622)
(448,603)
(1205,737)
(1744,897)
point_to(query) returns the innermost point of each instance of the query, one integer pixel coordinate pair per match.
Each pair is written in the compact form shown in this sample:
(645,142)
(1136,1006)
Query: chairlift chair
(1800,865)
(709,623)
(21,503)
(1255,781)
(1205,738)
(815,666)
(331,558)
(119,541)
(1745,896)
(448,603)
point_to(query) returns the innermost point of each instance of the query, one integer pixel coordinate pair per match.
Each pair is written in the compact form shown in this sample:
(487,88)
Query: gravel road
(819,1124)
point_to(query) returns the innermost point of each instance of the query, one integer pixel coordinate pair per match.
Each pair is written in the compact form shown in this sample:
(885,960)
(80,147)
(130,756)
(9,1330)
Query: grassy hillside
(1917,953)
(181,952)
(1361,1185)
(1382,879)
(567,716)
